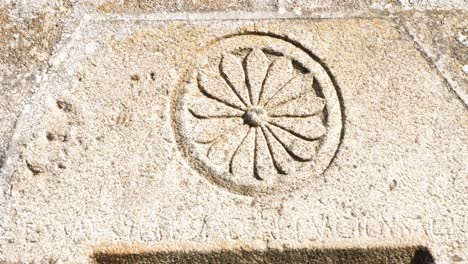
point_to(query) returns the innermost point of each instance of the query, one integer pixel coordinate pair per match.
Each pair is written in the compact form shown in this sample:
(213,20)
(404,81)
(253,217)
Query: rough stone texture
(95,166)
(306,6)
(443,37)
(142,6)
(46,23)
(433,4)
(96,160)
(29,33)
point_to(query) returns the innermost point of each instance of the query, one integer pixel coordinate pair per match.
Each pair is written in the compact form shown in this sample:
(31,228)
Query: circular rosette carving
(258,114)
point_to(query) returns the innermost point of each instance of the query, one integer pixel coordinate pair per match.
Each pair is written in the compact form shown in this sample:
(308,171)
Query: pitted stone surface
(98,161)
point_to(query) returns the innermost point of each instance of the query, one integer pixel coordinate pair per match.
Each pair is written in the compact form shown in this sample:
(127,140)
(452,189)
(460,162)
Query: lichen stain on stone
(29,42)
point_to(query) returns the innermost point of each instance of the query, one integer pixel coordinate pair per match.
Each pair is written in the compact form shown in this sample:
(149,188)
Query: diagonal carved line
(211,146)
(293,133)
(281,88)
(407,30)
(263,83)
(246,75)
(294,156)
(295,116)
(214,116)
(270,149)
(212,142)
(206,142)
(237,150)
(214,98)
(296,98)
(225,78)
(256,174)
(285,102)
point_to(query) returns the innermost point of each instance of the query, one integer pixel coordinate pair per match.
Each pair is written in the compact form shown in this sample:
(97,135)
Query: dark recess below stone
(397,255)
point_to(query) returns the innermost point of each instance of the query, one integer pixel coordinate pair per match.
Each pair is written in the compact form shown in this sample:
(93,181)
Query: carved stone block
(270,139)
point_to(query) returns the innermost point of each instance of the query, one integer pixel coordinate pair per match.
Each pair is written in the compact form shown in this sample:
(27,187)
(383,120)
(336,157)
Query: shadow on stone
(388,255)
(422,255)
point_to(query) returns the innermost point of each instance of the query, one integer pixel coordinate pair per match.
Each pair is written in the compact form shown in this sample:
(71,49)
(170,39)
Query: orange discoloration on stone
(28,42)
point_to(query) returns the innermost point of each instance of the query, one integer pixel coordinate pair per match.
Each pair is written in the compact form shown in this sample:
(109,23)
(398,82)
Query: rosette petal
(203,107)
(257,65)
(282,161)
(297,86)
(281,71)
(308,128)
(215,88)
(263,160)
(233,72)
(242,162)
(207,131)
(226,144)
(305,105)
(298,148)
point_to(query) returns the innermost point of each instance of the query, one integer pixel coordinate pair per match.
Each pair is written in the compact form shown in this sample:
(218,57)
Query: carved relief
(258,114)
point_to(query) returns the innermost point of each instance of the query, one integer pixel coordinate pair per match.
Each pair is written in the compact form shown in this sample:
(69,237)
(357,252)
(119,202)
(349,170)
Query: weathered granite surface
(269,127)
(28,37)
